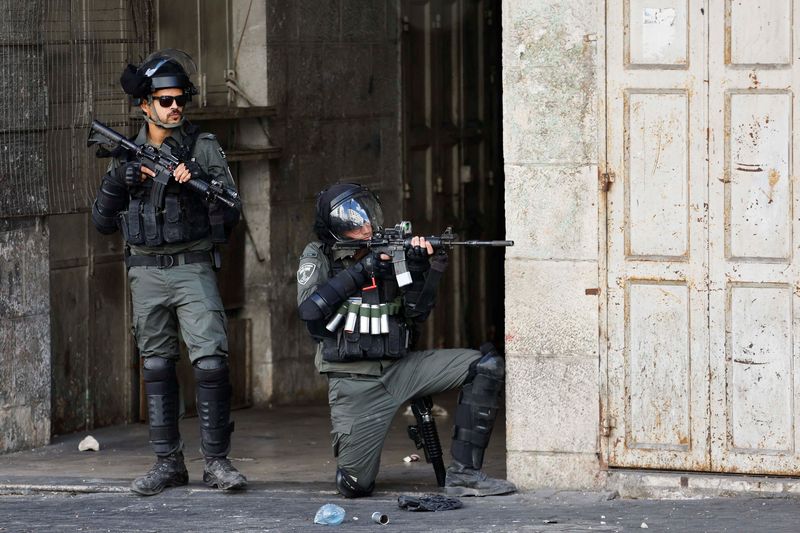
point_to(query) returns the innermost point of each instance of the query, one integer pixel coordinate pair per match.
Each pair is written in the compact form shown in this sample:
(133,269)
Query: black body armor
(152,214)
(356,346)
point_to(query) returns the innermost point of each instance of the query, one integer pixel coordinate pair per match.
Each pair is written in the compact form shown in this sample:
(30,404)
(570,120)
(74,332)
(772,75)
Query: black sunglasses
(166,101)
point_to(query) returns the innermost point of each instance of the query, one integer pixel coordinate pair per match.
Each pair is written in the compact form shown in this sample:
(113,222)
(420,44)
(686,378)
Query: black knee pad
(349,488)
(491,364)
(159,370)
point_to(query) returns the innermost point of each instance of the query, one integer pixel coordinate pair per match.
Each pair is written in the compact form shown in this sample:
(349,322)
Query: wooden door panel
(753,264)
(657,235)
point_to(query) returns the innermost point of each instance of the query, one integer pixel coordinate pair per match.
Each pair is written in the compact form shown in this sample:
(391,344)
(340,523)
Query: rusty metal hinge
(406,23)
(607,425)
(606,179)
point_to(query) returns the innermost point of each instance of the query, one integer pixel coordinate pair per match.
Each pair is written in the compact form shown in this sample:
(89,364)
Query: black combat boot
(214,411)
(219,473)
(462,480)
(169,471)
(474,420)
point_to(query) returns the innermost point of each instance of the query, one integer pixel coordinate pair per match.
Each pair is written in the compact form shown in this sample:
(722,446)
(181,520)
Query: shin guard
(214,407)
(163,405)
(477,409)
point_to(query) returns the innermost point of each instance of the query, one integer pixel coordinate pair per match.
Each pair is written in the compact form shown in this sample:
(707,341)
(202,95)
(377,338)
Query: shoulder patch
(305,272)
(207,136)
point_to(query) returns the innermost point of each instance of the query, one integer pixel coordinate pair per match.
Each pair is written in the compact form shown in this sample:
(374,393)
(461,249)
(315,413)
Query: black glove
(377,267)
(417,259)
(130,173)
(196,170)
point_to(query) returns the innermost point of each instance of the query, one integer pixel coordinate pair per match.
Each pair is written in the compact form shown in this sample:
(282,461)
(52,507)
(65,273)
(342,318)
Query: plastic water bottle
(329,515)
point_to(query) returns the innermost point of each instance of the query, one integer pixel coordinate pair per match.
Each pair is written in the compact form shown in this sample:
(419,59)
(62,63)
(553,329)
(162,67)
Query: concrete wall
(550,139)
(254,184)
(24,334)
(333,71)
(24,265)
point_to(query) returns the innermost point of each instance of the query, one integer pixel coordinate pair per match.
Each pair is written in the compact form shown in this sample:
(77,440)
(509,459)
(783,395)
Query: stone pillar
(550,134)
(249,23)
(24,334)
(24,242)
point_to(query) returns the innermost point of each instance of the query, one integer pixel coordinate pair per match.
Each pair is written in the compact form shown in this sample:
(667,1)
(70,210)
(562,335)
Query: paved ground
(286,508)
(285,453)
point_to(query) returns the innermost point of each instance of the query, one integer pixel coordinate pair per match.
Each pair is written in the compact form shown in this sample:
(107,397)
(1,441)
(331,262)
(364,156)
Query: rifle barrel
(438,242)
(481,243)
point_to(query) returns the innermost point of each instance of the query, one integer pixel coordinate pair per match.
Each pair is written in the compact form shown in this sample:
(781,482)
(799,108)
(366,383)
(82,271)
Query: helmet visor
(355,213)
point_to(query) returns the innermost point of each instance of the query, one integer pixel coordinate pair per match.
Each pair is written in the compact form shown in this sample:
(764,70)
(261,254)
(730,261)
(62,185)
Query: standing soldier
(372,369)
(170,233)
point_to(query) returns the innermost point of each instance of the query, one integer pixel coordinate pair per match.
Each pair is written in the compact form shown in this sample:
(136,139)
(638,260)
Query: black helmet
(164,69)
(344,207)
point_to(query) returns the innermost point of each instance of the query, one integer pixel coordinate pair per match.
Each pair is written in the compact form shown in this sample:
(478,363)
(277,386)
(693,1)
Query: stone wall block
(319,20)
(549,83)
(550,114)
(363,20)
(8,342)
(531,471)
(347,81)
(547,309)
(277,79)
(31,353)
(359,147)
(24,268)
(383,79)
(545,32)
(558,398)
(282,21)
(546,229)
(23,173)
(21,21)
(306,67)
(24,426)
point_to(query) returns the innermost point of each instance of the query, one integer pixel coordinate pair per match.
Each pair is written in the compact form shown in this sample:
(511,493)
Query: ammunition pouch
(356,346)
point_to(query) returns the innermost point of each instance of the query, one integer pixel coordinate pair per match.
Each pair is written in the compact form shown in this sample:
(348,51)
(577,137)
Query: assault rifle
(164,163)
(426,437)
(395,241)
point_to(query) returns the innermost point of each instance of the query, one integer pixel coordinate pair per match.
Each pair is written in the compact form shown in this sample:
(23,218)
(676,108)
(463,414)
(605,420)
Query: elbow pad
(328,297)
(111,199)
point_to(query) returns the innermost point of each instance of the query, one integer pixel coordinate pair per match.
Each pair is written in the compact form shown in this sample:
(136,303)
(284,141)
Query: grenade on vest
(364,315)
(352,315)
(333,323)
(384,320)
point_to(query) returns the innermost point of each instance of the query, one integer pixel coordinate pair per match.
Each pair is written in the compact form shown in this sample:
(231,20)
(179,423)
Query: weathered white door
(753,213)
(702,234)
(657,234)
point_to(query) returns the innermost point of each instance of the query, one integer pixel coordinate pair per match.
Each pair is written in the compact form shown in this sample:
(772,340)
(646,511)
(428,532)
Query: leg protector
(477,408)
(161,388)
(214,405)
(349,488)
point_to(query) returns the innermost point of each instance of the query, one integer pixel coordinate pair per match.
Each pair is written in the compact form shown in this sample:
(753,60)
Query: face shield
(164,69)
(353,214)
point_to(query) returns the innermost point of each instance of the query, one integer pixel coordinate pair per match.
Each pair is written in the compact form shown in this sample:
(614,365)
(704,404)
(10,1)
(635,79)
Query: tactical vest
(369,325)
(171,215)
